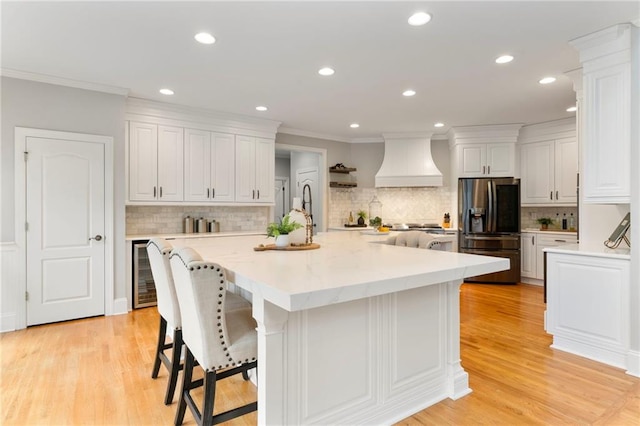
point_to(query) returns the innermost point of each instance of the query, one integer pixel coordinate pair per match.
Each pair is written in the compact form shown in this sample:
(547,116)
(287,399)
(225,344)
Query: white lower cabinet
(588,304)
(532,246)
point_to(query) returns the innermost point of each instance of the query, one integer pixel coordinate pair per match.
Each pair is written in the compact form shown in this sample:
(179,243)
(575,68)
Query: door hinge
(26,155)
(26,296)
(26,226)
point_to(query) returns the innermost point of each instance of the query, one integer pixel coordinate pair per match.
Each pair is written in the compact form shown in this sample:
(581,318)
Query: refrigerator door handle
(490,213)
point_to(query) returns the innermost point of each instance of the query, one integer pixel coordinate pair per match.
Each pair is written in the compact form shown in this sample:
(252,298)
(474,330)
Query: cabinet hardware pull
(154,192)
(556,195)
(213,193)
(160,192)
(560,241)
(258,194)
(253,194)
(488,170)
(483,167)
(551,195)
(533,243)
(207,192)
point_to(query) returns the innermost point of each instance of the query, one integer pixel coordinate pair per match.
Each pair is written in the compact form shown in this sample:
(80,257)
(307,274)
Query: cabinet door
(245,168)
(545,241)
(566,170)
(500,159)
(537,172)
(529,255)
(607,137)
(197,165)
(265,170)
(170,163)
(472,160)
(223,167)
(143,161)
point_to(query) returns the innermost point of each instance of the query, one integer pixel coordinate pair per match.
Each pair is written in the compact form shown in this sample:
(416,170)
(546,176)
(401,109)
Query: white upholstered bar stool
(223,341)
(416,239)
(158,250)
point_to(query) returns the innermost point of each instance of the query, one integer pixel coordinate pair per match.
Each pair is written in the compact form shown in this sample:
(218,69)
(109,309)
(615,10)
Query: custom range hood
(407,162)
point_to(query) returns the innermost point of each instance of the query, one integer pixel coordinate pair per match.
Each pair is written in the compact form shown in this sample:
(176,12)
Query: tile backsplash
(399,205)
(170,219)
(529,215)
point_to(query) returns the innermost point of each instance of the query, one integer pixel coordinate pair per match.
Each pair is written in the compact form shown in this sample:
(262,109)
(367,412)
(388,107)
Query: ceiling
(268,53)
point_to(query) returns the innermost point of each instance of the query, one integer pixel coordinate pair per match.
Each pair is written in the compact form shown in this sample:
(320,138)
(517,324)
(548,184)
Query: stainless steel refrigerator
(489,223)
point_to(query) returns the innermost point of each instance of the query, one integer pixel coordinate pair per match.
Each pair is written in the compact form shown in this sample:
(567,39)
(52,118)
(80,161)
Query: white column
(457,378)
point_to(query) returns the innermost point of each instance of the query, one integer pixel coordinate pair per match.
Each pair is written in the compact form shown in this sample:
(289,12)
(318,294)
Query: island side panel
(375,360)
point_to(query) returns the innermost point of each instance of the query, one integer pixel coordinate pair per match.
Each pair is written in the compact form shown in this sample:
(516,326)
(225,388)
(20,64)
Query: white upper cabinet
(606,58)
(486,160)
(255,169)
(209,166)
(484,151)
(155,162)
(549,172)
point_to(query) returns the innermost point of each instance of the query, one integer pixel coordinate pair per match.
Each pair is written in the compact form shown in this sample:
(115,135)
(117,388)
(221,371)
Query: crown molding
(60,81)
(309,134)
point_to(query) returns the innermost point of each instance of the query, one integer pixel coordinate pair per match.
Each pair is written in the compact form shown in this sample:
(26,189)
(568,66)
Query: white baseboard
(120,306)
(7,322)
(532,281)
(633,363)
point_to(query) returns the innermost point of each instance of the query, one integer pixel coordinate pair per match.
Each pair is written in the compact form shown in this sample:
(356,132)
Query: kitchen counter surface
(346,267)
(549,231)
(597,250)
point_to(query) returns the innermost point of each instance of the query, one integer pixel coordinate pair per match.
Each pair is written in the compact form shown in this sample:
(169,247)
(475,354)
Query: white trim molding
(61,81)
(8,279)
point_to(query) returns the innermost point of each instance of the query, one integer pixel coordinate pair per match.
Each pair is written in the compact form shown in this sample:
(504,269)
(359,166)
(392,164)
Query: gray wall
(45,106)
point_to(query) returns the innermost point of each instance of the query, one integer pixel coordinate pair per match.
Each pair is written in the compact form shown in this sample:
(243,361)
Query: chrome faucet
(306,192)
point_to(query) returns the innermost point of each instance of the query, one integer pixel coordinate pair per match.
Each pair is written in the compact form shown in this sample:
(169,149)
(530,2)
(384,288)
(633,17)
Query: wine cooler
(144,289)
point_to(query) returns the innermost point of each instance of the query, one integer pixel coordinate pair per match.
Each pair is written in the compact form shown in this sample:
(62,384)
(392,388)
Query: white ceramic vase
(282,240)
(296,215)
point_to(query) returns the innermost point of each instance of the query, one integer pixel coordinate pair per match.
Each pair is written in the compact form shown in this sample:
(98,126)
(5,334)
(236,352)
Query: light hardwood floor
(98,371)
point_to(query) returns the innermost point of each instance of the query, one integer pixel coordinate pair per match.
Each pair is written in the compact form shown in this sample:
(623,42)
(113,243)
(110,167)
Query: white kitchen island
(355,332)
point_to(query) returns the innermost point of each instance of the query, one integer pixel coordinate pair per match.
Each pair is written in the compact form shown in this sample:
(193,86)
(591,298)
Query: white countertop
(193,235)
(346,267)
(550,231)
(597,250)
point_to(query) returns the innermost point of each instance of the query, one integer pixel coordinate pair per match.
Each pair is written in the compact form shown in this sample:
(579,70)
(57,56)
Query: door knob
(97,238)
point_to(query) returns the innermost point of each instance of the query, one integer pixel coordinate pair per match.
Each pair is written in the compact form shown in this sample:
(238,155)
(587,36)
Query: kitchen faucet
(306,192)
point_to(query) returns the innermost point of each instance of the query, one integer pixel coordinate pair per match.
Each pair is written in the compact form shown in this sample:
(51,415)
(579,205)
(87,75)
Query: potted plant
(376,222)
(280,231)
(545,222)
(362,215)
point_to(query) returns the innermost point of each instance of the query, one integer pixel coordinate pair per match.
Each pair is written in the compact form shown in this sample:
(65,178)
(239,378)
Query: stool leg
(209,398)
(186,387)
(175,366)
(161,337)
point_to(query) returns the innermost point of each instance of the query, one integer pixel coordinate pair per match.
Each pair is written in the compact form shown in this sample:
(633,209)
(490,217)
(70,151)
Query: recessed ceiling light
(438,125)
(205,38)
(547,80)
(572,109)
(166,91)
(504,59)
(261,108)
(419,18)
(326,71)
(354,125)
(409,92)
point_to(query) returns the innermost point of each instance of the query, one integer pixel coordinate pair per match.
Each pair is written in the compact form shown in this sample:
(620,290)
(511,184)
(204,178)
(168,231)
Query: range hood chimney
(407,162)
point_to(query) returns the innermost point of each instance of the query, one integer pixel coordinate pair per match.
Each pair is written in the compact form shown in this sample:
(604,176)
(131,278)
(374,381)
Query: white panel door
(223,167)
(65,209)
(500,159)
(472,160)
(170,163)
(537,172)
(529,255)
(310,177)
